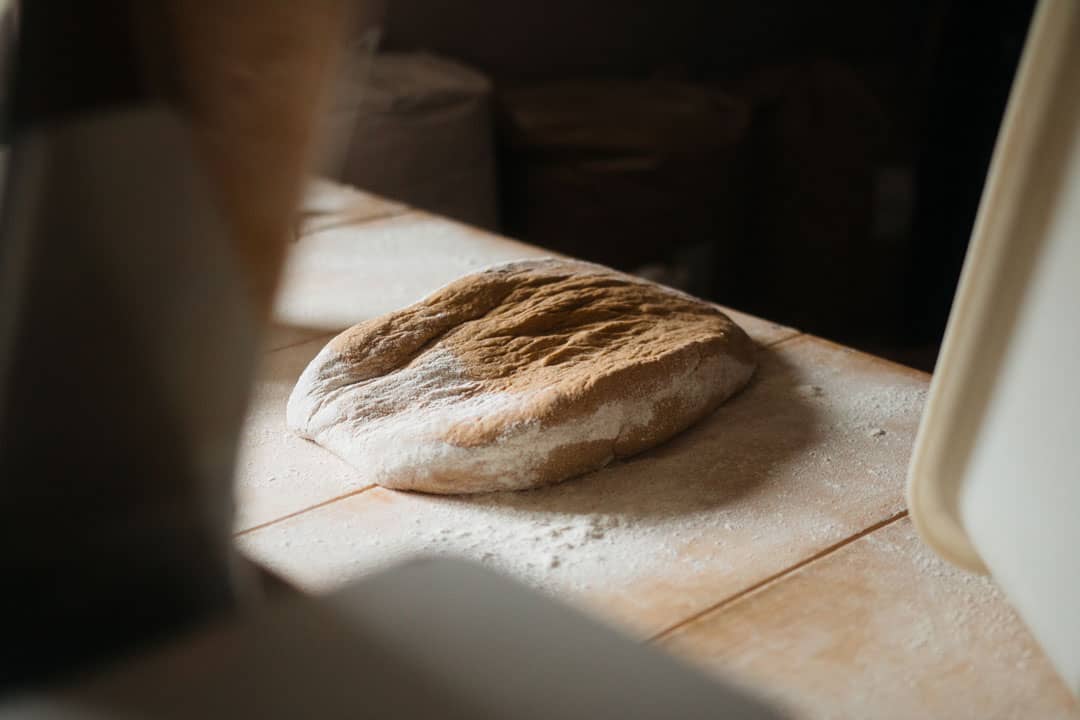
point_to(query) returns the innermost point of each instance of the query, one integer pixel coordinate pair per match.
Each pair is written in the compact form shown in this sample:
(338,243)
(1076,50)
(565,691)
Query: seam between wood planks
(776,577)
(303,510)
(320,336)
(345,221)
(787,339)
(891,364)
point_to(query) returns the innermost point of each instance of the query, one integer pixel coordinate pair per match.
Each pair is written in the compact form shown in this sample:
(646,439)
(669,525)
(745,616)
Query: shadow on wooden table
(752,444)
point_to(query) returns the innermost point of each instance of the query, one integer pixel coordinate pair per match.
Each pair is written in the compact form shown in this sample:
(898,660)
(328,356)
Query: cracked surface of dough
(520,375)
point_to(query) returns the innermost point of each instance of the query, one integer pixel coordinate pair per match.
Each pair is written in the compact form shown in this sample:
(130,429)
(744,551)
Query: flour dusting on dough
(556,381)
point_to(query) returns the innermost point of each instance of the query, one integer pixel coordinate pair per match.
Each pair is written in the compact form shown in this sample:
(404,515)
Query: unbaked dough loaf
(520,375)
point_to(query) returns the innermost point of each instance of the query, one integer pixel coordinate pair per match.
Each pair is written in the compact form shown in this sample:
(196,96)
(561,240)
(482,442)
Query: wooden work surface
(769,543)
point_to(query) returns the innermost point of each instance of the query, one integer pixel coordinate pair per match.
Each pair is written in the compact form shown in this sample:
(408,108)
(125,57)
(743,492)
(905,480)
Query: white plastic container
(994,484)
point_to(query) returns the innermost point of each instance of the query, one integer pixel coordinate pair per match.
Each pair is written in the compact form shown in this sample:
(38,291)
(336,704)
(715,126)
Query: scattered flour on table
(930,626)
(552,551)
(773,475)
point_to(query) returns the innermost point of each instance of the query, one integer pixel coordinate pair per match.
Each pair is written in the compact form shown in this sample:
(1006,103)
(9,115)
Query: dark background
(819,164)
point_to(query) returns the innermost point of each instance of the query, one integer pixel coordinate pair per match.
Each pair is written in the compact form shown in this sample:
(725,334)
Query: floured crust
(520,375)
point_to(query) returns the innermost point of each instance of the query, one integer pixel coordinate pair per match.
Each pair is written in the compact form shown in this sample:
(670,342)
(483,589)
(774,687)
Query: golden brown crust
(611,364)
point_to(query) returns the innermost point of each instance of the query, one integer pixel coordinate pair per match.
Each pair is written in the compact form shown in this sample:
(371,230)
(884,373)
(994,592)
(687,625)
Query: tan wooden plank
(881,628)
(337,277)
(764,332)
(327,204)
(883,362)
(359,255)
(277,473)
(813,452)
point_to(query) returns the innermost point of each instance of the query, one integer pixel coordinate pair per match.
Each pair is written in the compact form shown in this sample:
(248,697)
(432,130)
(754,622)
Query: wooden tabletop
(769,543)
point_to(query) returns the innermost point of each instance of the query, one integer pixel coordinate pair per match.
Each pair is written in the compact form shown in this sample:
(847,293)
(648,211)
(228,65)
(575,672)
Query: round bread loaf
(520,375)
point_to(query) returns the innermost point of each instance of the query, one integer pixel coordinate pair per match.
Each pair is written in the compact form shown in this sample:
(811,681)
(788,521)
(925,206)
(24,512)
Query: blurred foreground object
(432,638)
(158,154)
